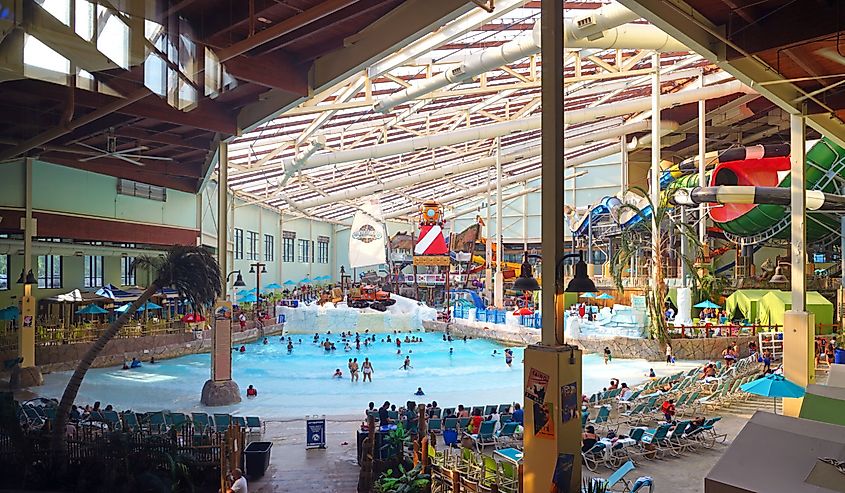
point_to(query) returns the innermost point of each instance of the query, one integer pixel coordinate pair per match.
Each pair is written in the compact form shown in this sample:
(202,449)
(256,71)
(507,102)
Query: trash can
(450,437)
(257,458)
(839,356)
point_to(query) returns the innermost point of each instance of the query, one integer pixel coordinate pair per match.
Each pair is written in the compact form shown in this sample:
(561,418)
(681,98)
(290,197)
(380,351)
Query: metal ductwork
(483,163)
(666,128)
(592,26)
(504,128)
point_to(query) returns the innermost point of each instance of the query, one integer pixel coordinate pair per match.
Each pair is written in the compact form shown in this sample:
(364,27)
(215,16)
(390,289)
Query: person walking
(669,358)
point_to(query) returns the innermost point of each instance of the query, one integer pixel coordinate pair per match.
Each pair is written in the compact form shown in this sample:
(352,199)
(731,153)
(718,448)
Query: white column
(702,170)
(623,164)
(500,278)
(488,250)
(798,195)
(655,162)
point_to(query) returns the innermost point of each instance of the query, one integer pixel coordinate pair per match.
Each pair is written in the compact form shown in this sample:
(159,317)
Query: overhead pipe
(741,194)
(444,171)
(536,173)
(601,29)
(503,128)
(591,25)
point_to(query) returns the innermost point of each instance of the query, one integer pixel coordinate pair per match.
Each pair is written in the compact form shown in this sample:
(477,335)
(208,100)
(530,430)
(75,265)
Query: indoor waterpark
(422,246)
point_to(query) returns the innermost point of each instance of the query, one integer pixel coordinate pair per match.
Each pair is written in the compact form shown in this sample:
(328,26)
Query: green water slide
(754,223)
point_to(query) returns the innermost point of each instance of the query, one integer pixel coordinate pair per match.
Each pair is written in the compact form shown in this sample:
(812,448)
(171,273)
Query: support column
(553,446)
(221,390)
(702,169)
(27,374)
(798,325)
(488,247)
(654,189)
(499,290)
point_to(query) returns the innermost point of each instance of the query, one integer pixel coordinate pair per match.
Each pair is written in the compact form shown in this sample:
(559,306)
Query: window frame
(50,264)
(239,244)
(92,271)
(288,246)
(322,252)
(269,248)
(252,242)
(8,266)
(128,273)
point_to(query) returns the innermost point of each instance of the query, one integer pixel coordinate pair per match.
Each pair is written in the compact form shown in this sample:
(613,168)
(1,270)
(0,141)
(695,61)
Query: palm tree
(633,239)
(194,273)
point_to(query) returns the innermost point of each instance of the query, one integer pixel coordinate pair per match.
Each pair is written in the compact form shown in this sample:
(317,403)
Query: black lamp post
(29,278)
(526,280)
(581,283)
(257,268)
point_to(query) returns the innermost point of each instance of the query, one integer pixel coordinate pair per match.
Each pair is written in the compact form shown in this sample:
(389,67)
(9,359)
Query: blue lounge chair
(602,419)
(254,425)
(448,411)
(618,477)
(130,421)
(434,425)
(506,435)
(488,410)
(156,422)
(450,424)
(485,435)
(594,456)
(222,422)
(240,421)
(503,408)
(480,409)
(200,422)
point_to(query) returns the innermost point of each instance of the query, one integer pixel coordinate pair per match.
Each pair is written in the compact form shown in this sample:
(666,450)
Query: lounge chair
(112,419)
(130,421)
(177,420)
(676,439)
(434,425)
(504,408)
(463,423)
(506,435)
(435,412)
(594,456)
(240,421)
(618,477)
(508,477)
(222,422)
(480,410)
(156,422)
(658,438)
(450,424)
(254,425)
(602,419)
(200,422)
(448,411)
(505,418)
(490,409)
(485,435)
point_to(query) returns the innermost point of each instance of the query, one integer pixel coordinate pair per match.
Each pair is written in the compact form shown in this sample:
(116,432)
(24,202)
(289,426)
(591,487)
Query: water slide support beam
(499,280)
(798,325)
(702,150)
(655,166)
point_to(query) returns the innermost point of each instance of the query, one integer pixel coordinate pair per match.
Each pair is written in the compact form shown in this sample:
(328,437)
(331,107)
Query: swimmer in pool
(290,346)
(337,373)
(407,364)
(508,357)
(451,350)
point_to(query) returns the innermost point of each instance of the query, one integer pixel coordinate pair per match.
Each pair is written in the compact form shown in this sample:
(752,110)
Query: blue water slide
(476,299)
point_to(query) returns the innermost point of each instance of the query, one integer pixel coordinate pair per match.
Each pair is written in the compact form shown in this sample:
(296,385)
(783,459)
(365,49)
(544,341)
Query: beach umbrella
(290,282)
(272,286)
(706,304)
(9,313)
(774,386)
(249,298)
(122,308)
(305,280)
(193,317)
(604,296)
(524,311)
(149,306)
(244,292)
(91,309)
(588,295)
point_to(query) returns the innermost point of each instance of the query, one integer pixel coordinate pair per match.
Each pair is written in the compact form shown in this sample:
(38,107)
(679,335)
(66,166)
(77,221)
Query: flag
(367,241)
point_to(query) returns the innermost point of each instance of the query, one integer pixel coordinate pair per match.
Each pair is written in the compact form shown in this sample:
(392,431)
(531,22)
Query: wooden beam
(161,138)
(785,25)
(276,71)
(286,26)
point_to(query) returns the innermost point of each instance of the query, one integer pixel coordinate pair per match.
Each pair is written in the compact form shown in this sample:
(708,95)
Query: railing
(720,330)
(52,335)
(534,321)
(491,315)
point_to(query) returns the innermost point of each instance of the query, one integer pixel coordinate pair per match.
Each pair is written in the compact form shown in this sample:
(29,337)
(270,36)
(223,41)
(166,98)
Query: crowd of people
(409,414)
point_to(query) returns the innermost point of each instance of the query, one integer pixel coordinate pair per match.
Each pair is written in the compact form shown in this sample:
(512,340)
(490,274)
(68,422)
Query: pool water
(299,383)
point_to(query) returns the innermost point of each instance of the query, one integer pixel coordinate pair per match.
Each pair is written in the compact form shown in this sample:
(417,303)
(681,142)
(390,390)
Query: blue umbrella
(588,295)
(272,286)
(149,306)
(244,292)
(604,296)
(773,385)
(290,282)
(9,313)
(250,298)
(706,304)
(305,280)
(91,309)
(123,308)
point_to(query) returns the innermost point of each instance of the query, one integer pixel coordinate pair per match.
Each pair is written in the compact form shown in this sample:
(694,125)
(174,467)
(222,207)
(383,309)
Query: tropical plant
(594,485)
(633,240)
(410,481)
(397,439)
(191,270)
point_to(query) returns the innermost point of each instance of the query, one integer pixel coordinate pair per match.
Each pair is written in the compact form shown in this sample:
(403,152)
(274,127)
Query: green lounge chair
(463,423)
(177,420)
(658,438)
(480,410)
(448,411)
(156,422)
(504,408)
(450,424)
(240,421)
(112,419)
(676,439)
(490,409)
(594,456)
(434,425)
(602,418)
(393,415)
(508,477)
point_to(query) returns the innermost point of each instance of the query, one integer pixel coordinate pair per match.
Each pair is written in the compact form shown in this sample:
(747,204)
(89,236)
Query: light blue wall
(67,190)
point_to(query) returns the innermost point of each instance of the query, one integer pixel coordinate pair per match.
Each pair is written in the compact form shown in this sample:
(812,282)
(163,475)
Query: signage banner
(315,431)
(367,240)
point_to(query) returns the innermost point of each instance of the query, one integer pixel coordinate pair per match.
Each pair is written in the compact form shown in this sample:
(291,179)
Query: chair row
(466,470)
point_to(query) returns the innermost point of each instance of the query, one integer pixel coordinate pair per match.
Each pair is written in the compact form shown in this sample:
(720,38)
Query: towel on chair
(641,482)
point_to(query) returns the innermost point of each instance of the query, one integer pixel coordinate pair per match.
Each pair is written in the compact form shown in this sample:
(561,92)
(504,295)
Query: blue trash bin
(839,356)
(450,437)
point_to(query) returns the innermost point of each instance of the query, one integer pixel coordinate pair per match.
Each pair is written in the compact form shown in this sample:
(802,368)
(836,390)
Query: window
(252,245)
(322,250)
(288,238)
(143,190)
(127,271)
(93,272)
(239,244)
(49,271)
(4,272)
(269,248)
(306,251)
